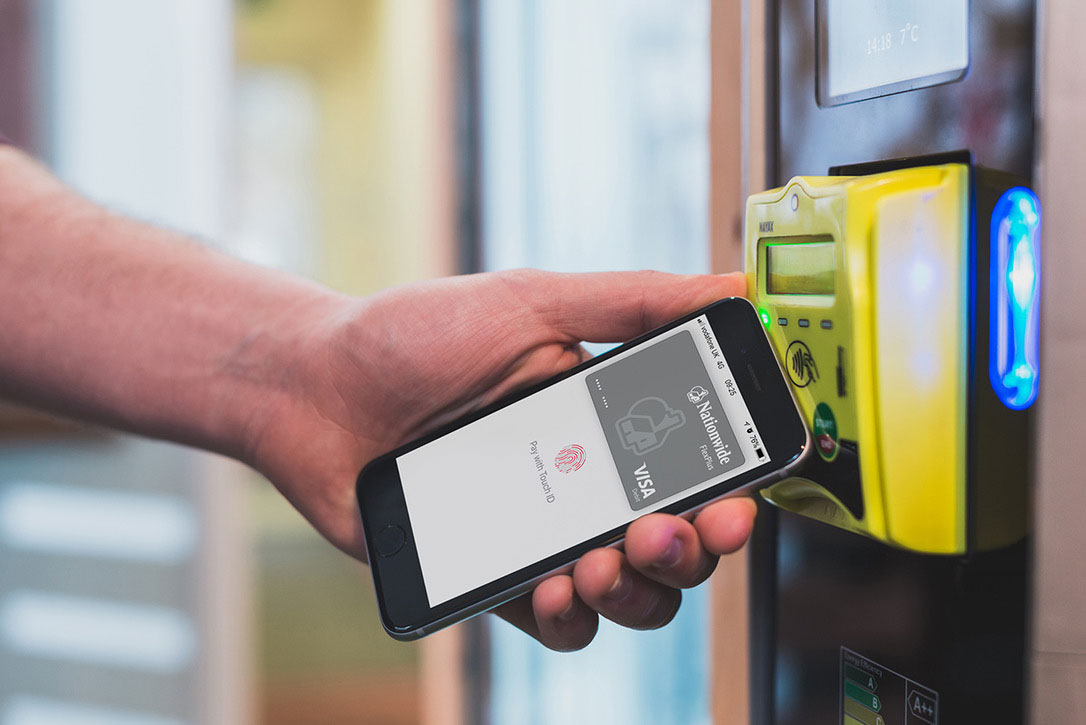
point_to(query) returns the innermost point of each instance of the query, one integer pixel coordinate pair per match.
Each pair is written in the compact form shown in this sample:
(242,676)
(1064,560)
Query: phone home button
(390,540)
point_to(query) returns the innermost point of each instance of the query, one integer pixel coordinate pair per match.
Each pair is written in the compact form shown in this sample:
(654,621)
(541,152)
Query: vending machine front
(896,268)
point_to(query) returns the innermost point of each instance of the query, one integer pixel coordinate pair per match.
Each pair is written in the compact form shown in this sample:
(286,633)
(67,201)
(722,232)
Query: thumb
(617,306)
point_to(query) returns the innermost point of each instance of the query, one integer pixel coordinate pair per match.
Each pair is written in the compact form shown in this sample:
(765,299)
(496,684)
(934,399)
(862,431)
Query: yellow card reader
(904,307)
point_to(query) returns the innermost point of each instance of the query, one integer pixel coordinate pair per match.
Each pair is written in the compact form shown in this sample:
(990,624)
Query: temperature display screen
(801,268)
(869,49)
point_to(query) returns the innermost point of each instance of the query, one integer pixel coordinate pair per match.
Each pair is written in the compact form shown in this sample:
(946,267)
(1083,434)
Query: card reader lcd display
(800,269)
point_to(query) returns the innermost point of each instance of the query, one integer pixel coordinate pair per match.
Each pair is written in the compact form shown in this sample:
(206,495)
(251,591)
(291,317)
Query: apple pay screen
(586,455)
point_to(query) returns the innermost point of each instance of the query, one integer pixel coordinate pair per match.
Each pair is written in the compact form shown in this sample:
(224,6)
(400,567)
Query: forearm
(128,325)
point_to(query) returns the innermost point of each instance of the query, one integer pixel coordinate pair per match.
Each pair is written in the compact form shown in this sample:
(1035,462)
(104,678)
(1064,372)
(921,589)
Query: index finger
(617,306)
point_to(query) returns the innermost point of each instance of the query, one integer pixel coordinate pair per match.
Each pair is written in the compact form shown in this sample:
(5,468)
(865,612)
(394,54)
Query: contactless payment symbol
(801,364)
(570,458)
(648,424)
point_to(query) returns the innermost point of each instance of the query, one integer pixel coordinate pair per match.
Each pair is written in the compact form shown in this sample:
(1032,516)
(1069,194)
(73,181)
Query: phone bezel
(401,595)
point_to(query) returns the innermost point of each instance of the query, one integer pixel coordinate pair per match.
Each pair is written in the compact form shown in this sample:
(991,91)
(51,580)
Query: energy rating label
(875,695)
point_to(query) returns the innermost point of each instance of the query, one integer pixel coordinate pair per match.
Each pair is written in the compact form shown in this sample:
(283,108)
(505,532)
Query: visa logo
(644,480)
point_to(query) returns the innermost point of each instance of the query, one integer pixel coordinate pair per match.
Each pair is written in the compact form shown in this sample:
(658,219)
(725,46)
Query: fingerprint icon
(569,459)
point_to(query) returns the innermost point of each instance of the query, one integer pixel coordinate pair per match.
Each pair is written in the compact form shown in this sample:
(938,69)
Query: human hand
(130,326)
(366,375)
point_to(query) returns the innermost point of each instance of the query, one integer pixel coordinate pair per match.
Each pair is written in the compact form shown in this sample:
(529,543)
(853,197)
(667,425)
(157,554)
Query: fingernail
(569,612)
(673,554)
(621,588)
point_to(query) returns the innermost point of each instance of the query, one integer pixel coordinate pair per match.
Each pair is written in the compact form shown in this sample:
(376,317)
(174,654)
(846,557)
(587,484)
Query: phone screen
(590,453)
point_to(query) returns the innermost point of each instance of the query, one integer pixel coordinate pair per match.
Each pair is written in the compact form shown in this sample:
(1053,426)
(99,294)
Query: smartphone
(477,512)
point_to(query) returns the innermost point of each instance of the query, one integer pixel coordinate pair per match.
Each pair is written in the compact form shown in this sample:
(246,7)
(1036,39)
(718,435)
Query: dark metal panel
(990,111)
(956,625)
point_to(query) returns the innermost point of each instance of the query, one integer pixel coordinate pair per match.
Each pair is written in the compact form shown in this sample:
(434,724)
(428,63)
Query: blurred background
(365,144)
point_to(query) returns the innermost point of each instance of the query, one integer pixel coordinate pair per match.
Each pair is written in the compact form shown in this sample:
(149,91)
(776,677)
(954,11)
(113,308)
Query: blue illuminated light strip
(1014,323)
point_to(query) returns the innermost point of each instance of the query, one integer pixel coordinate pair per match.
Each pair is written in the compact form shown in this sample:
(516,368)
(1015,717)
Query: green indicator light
(765,318)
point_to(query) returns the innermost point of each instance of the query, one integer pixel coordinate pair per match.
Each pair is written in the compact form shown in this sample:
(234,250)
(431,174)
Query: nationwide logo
(696,394)
(570,458)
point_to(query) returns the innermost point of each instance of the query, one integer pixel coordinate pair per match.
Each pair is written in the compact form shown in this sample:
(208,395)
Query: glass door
(593,154)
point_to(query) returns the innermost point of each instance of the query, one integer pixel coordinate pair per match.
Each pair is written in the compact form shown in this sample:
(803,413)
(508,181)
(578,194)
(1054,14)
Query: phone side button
(390,540)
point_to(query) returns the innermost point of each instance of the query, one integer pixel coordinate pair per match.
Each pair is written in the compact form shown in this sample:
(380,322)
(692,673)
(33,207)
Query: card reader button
(390,540)
(825,431)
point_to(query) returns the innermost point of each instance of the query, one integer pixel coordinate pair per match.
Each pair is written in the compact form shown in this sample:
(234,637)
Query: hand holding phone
(499,502)
(371,374)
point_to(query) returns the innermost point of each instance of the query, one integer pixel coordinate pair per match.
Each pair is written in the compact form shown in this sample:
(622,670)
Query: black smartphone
(477,512)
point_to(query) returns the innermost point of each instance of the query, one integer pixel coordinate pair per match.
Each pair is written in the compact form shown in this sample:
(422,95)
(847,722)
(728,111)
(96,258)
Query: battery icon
(760,452)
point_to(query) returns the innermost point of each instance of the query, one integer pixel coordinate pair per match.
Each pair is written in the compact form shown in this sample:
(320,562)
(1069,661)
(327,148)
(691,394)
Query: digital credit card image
(663,421)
